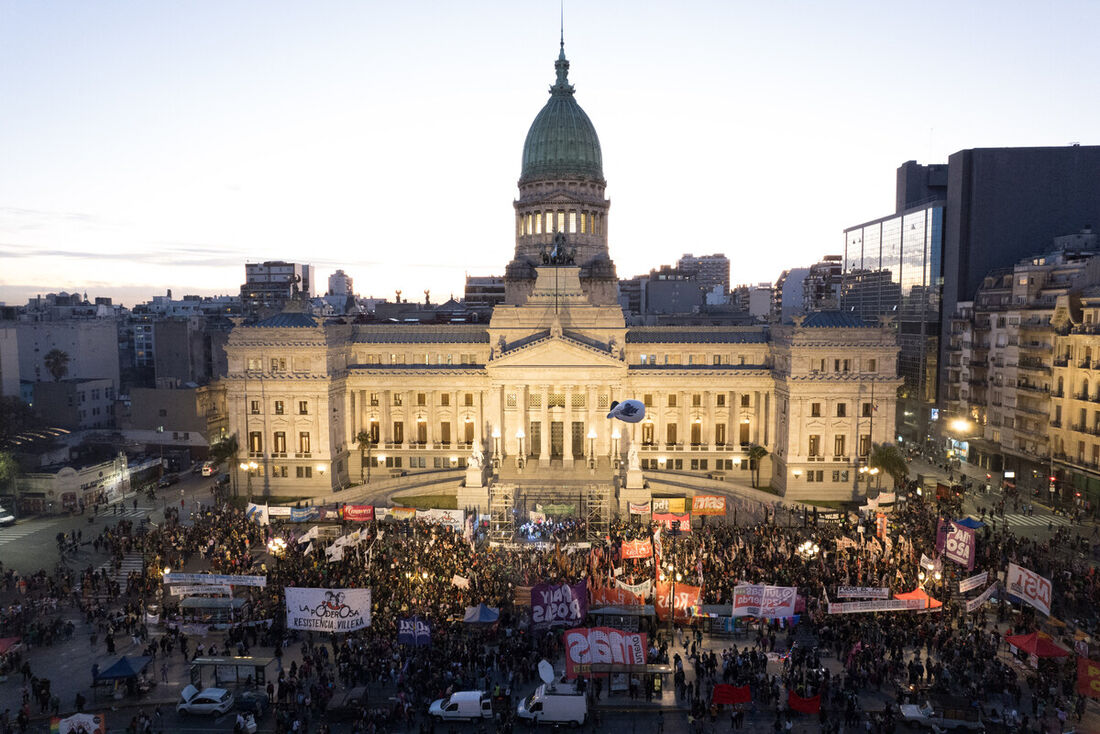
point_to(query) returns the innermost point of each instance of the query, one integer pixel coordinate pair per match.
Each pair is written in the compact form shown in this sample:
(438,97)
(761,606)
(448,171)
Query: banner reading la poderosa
(327,610)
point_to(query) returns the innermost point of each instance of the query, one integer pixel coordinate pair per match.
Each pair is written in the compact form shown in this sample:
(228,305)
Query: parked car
(206,701)
(254,701)
(168,480)
(945,715)
(6,518)
(346,705)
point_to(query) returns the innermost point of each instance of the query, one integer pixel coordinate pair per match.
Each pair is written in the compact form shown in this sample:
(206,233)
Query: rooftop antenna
(563,24)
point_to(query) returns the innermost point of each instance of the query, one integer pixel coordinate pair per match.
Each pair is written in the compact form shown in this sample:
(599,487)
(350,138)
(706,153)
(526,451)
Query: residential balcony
(1032,411)
(1061,362)
(1032,388)
(1055,424)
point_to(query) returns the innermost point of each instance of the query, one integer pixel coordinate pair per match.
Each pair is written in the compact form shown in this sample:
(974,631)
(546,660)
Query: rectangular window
(510,400)
(445,399)
(603,400)
(280,470)
(696,400)
(303,407)
(421,398)
(538,224)
(255,364)
(253,407)
(670,433)
(255,442)
(445,433)
(278,364)
(572,222)
(561,222)
(865,445)
(584,221)
(303,442)
(577,400)
(720,433)
(278,407)
(809,476)
(672,400)
(872,365)
(720,400)
(841,410)
(399,432)
(280,443)
(468,400)
(867,410)
(717,359)
(398,399)
(838,446)
(815,445)
(647,400)
(555,400)
(374,398)
(643,359)
(303,472)
(744,400)
(815,410)
(647,434)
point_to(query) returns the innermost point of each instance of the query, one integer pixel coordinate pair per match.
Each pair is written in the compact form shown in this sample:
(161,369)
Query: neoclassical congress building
(532,388)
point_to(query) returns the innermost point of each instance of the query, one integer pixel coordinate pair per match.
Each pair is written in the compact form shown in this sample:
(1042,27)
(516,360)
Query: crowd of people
(412,567)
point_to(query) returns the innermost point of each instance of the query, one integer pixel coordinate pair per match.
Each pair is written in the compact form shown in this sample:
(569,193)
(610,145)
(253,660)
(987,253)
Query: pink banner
(959,545)
(586,647)
(686,597)
(637,549)
(359,513)
(668,519)
(1030,587)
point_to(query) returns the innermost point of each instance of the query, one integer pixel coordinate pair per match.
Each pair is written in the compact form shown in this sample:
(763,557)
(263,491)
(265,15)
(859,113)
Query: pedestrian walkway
(15,532)
(130,562)
(1038,521)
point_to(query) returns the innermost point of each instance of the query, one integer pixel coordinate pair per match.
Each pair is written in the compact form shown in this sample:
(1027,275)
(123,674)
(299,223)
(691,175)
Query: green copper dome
(562,143)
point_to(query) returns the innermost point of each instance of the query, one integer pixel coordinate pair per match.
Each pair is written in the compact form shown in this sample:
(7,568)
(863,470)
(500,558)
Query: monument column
(567,429)
(544,429)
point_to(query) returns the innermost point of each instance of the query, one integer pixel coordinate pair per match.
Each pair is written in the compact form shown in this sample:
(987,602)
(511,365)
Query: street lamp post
(592,448)
(248,468)
(521,455)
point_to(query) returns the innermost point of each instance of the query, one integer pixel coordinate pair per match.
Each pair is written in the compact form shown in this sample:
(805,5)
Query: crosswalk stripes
(130,562)
(110,515)
(1035,520)
(15,532)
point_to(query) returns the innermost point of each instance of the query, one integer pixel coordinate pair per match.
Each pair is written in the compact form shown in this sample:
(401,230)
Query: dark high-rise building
(987,208)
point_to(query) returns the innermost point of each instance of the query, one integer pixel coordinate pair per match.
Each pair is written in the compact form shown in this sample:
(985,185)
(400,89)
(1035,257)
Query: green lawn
(427,501)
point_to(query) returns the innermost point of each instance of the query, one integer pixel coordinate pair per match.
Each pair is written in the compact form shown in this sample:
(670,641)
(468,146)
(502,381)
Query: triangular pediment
(555,351)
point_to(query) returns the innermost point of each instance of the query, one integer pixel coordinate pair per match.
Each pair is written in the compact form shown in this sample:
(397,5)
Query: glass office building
(894,267)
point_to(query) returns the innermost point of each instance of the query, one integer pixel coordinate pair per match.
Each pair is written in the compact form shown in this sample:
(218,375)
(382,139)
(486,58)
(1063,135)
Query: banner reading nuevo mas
(586,647)
(327,610)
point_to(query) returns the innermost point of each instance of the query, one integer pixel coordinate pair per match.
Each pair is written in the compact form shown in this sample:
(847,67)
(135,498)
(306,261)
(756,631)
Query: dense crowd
(412,567)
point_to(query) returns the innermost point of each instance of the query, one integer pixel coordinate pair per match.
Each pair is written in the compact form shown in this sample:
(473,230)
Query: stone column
(756,417)
(386,429)
(544,436)
(567,428)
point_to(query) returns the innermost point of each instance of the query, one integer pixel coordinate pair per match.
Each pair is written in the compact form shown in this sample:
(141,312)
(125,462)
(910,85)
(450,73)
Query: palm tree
(227,450)
(888,458)
(756,455)
(363,439)
(57,363)
(9,468)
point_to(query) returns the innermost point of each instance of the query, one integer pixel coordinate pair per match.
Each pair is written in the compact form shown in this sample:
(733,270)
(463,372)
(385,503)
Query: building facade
(527,394)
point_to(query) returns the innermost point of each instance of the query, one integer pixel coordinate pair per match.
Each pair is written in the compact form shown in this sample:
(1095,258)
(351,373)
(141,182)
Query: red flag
(1088,677)
(725,693)
(804,705)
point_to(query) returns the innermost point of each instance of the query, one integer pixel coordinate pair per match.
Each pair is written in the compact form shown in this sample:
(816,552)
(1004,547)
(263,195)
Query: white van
(557,703)
(6,518)
(463,705)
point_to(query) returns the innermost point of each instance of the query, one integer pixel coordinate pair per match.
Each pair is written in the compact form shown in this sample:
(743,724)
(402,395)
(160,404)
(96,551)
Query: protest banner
(644,589)
(587,649)
(637,549)
(670,519)
(973,582)
(1029,587)
(673,505)
(639,508)
(941,535)
(616,596)
(724,693)
(880,524)
(863,592)
(359,513)
(686,597)
(708,504)
(451,518)
(214,578)
(414,631)
(460,581)
(304,514)
(258,513)
(810,705)
(759,600)
(197,589)
(553,604)
(975,603)
(1088,678)
(402,513)
(79,723)
(877,605)
(959,545)
(327,610)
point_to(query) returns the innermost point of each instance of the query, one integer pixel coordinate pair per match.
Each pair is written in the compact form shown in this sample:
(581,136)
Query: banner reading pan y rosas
(327,610)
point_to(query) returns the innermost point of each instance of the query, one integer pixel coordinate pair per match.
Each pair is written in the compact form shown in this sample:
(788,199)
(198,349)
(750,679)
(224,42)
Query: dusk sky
(154,145)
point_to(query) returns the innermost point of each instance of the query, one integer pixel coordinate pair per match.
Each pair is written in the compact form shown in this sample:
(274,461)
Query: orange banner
(616,596)
(708,504)
(637,549)
(686,597)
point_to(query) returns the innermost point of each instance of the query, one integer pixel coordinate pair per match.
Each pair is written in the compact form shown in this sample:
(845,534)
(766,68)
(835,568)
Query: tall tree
(228,450)
(756,455)
(889,459)
(16,417)
(57,363)
(9,468)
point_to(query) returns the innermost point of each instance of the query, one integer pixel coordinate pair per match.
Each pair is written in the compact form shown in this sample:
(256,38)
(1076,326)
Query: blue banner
(304,514)
(414,631)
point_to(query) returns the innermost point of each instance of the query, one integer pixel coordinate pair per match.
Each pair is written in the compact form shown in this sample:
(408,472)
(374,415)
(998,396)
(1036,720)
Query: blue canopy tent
(124,668)
(970,522)
(481,614)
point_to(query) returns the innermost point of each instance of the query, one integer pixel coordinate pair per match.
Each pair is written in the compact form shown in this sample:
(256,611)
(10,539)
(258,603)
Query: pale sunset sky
(154,145)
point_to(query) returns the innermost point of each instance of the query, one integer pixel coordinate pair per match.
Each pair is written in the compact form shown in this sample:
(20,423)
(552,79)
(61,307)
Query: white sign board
(327,610)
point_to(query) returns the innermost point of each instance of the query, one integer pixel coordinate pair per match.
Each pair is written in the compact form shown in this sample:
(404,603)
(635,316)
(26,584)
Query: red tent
(919,593)
(8,643)
(1038,644)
